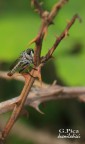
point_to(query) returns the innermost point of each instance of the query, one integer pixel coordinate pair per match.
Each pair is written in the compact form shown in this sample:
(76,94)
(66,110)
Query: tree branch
(38,7)
(15,76)
(39,95)
(56,9)
(58,40)
(18,105)
(47,19)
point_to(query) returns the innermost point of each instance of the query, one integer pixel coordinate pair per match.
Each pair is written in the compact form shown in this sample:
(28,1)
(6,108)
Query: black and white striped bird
(24,62)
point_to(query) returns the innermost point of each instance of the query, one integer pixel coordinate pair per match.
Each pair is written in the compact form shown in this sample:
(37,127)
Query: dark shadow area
(49,74)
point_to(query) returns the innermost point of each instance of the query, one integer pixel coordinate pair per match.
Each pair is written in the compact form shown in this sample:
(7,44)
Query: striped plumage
(23,62)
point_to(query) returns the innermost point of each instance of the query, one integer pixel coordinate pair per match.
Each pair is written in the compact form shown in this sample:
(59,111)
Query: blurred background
(19,24)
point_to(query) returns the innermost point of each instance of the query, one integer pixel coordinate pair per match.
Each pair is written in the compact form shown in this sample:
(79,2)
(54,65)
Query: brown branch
(47,19)
(56,9)
(58,40)
(16,76)
(38,7)
(28,133)
(18,105)
(45,94)
(20,102)
(3,75)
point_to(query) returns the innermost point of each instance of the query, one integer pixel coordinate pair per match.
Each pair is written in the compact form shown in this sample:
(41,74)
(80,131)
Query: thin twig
(38,7)
(56,9)
(47,19)
(4,75)
(63,35)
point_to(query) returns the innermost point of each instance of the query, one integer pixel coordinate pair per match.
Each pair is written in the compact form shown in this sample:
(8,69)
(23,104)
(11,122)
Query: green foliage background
(19,24)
